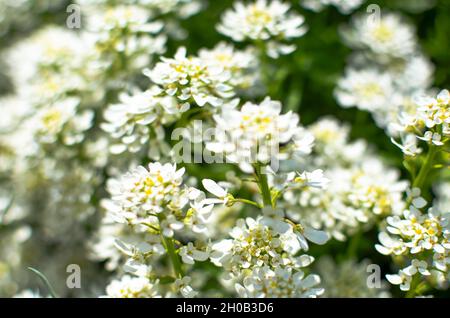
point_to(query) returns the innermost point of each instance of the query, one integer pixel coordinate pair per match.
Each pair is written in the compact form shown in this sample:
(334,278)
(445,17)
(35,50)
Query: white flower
(417,266)
(303,142)
(215,189)
(389,245)
(132,287)
(242,65)
(135,119)
(424,238)
(356,196)
(62,120)
(262,20)
(366,89)
(348,279)
(141,194)
(122,33)
(402,279)
(189,254)
(255,132)
(429,120)
(308,233)
(344,6)
(315,179)
(408,145)
(185,289)
(258,242)
(191,81)
(386,38)
(279,283)
(432,138)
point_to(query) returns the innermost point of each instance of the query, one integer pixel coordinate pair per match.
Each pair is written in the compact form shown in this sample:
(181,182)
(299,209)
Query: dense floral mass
(195,148)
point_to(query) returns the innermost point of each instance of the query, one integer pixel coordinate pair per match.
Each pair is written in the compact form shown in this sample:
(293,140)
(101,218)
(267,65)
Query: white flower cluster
(269,23)
(123,38)
(279,283)
(257,134)
(210,79)
(424,239)
(384,38)
(386,70)
(262,253)
(349,279)
(344,6)
(149,196)
(155,199)
(138,121)
(241,64)
(132,287)
(192,81)
(362,189)
(23,15)
(182,8)
(428,121)
(82,111)
(46,82)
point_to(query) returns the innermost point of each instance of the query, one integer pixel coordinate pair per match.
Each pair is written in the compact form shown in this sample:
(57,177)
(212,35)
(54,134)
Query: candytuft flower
(262,21)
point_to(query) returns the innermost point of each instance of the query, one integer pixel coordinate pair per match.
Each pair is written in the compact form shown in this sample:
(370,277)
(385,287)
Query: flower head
(279,283)
(263,20)
(191,80)
(132,287)
(386,38)
(255,133)
(423,237)
(149,195)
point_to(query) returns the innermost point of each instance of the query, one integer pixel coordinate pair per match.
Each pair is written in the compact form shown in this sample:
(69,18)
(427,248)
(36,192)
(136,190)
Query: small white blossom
(189,254)
(315,179)
(183,285)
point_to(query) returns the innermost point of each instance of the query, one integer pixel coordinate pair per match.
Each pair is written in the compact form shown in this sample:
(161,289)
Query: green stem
(247,202)
(174,258)
(263,186)
(426,167)
(353,244)
(417,289)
